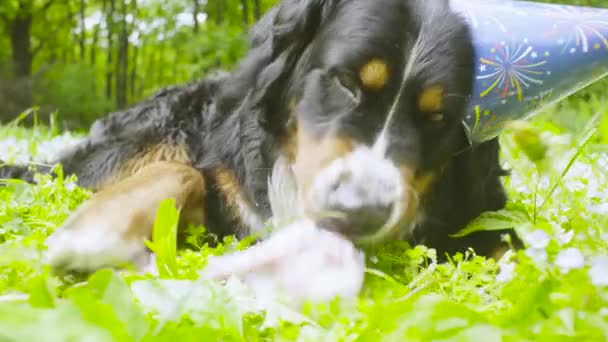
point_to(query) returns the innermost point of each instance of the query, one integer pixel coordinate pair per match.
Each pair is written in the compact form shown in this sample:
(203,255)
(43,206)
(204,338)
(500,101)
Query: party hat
(528,56)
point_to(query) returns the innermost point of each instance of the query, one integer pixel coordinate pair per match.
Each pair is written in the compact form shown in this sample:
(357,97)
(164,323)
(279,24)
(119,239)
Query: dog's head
(369,97)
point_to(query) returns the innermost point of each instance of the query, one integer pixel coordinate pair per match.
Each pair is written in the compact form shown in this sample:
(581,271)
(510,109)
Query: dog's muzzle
(361,195)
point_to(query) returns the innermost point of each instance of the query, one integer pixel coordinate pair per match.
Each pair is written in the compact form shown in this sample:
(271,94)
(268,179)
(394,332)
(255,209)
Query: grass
(557,289)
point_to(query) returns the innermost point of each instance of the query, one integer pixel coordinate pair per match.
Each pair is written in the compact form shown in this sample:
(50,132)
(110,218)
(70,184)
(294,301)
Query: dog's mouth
(360,195)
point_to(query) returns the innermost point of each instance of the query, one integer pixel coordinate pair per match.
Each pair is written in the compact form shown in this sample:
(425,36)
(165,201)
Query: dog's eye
(430,99)
(347,83)
(430,104)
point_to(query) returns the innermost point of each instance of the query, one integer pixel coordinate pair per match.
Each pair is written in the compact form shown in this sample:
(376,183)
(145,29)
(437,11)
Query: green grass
(556,291)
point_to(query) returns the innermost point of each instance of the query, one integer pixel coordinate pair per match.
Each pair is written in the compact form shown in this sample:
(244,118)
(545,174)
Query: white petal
(537,255)
(507,272)
(599,271)
(538,239)
(569,259)
(565,237)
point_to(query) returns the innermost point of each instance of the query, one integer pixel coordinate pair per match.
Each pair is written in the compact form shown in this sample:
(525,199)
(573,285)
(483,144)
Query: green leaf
(39,292)
(64,323)
(478,332)
(107,301)
(164,239)
(494,220)
(118,295)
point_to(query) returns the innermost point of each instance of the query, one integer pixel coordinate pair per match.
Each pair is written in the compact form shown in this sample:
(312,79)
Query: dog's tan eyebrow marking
(430,99)
(374,74)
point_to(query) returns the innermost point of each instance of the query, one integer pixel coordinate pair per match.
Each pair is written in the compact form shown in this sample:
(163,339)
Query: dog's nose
(358,195)
(355,222)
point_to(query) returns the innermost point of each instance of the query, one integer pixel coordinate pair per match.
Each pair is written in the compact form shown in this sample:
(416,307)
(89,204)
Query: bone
(301,261)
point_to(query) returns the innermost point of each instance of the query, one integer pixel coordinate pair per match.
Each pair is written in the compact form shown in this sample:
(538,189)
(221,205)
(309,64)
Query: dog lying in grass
(300,260)
(363,99)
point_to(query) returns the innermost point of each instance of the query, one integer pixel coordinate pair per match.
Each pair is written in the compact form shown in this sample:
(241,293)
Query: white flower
(538,239)
(600,209)
(569,259)
(537,255)
(599,271)
(50,150)
(565,237)
(507,272)
(70,186)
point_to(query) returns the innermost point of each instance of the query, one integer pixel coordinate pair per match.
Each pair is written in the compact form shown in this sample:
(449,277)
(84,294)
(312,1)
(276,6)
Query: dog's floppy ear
(469,186)
(254,96)
(277,42)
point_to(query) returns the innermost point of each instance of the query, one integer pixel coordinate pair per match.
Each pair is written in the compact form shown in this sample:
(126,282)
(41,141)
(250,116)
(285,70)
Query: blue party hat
(528,56)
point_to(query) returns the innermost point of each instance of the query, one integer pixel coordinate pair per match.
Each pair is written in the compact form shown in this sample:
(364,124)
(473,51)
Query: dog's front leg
(109,230)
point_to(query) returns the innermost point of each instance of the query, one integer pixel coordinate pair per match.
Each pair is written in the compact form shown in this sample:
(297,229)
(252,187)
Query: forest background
(85,58)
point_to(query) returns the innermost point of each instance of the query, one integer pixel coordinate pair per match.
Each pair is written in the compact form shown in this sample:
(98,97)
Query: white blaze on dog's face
(377,112)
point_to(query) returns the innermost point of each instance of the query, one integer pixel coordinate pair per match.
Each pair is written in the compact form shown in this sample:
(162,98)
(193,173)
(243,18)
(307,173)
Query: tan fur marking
(419,183)
(230,188)
(415,187)
(289,145)
(312,155)
(431,99)
(499,251)
(423,183)
(128,207)
(157,153)
(374,74)
(291,105)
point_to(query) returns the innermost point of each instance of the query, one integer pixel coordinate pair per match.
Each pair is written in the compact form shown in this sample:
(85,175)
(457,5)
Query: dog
(364,100)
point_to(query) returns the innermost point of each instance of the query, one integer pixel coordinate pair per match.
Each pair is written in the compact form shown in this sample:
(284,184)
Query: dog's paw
(80,251)
(90,240)
(110,229)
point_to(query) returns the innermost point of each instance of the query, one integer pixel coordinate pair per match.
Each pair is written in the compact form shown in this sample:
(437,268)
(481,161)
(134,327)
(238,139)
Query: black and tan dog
(364,99)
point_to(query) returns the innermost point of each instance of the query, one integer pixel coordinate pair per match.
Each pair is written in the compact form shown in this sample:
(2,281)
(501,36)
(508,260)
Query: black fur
(297,52)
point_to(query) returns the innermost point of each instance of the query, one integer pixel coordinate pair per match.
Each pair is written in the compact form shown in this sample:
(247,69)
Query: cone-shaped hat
(529,55)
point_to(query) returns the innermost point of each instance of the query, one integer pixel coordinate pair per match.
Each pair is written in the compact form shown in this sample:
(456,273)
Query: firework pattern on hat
(529,55)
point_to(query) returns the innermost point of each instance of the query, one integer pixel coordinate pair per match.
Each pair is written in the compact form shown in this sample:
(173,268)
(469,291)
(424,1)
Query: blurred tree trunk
(132,77)
(82,30)
(93,50)
(257,10)
(109,59)
(20,35)
(245,8)
(96,36)
(122,64)
(159,64)
(22,53)
(195,11)
(219,11)
(20,31)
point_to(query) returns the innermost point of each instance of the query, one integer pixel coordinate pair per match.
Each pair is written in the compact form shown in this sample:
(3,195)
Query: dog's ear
(469,186)
(277,42)
(483,191)
(482,174)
